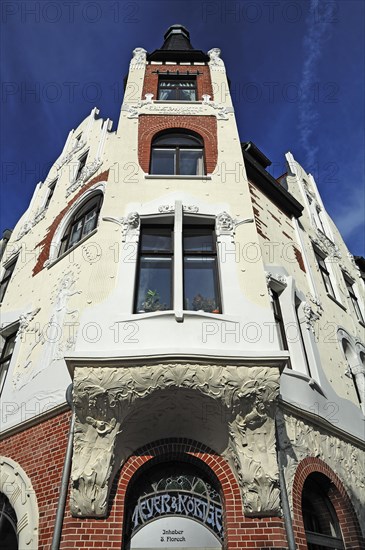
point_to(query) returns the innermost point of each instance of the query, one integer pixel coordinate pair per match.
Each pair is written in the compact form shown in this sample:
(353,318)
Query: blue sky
(296,67)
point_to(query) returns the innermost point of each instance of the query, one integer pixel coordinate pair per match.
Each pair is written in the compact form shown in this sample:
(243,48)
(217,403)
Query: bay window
(177,267)
(177,153)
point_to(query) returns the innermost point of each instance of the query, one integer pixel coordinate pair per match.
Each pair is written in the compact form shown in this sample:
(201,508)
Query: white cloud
(318,25)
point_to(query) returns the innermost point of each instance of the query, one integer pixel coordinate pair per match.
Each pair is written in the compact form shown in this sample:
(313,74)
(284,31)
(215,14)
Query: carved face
(225,221)
(133,219)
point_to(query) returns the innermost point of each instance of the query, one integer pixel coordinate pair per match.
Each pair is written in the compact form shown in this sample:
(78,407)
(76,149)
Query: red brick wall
(203,81)
(40,452)
(45,244)
(345,512)
(205,126)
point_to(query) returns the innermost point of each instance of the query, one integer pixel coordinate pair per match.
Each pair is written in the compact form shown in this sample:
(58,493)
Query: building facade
(210,319)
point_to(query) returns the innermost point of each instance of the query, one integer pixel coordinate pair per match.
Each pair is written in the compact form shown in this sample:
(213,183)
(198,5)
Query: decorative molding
(139,59)
(329,248)
(216,63)
(226,225)
(147,106)
(46,337)
(299,440)
(310,316)
(88,171)
(77,146)
(166,208)
(275,278)
(25,319)
(104,399)
(28,226)
(17,487)
(129,224)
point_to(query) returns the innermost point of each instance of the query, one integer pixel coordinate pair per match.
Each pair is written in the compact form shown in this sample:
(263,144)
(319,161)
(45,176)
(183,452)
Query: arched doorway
(174,505)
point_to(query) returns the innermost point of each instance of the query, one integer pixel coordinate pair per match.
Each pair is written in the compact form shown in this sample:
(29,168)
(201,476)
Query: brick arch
(339,498)
(193,452)
(205,126)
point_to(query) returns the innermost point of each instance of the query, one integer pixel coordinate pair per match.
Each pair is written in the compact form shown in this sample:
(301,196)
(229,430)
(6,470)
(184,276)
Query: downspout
(284,497)
(65,477)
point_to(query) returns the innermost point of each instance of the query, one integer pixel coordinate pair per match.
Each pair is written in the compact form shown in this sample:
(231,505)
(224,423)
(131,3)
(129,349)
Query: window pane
(3,371)
(191,162)
(328,284)
(200,283)
(167,94)
(156,240)
(177,139)
(196,240)
(90,222)
(163,161)
(154,290)
(187,95)
(75,233)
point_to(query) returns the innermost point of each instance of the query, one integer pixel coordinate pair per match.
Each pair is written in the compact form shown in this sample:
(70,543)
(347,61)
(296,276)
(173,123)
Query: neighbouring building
(210,319)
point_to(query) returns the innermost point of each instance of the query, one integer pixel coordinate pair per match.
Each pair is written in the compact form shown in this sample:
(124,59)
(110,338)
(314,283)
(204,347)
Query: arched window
(82,222)
(8,525)
(320,520)
(177,153)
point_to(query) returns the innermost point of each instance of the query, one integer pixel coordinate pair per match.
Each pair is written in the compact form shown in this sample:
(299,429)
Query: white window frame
(54,256)
(177,218)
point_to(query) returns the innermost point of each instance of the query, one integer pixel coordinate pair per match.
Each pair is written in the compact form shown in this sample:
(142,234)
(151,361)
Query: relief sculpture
(104,397)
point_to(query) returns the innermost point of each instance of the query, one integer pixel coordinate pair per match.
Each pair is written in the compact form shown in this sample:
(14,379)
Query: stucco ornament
(25,319)
(329,248)
(105,398)
(310,316)
(77,146)
(226,225)
(139,59)
(130,224)
(272,278)
(222,110)
(41,342)
(189,208)
(86,173)
(215,63)
(298,440)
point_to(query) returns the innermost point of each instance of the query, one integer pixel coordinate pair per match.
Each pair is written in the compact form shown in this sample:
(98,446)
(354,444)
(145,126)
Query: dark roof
(177,47)
(255,163)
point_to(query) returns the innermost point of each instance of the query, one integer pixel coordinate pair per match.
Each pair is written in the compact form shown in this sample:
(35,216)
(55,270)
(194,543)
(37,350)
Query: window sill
(336,302)
(186,312)
(289,371)
(176,177)
(56,260)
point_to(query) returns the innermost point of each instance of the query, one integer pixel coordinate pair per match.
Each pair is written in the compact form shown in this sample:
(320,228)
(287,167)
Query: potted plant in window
(200,303)
(152,302)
